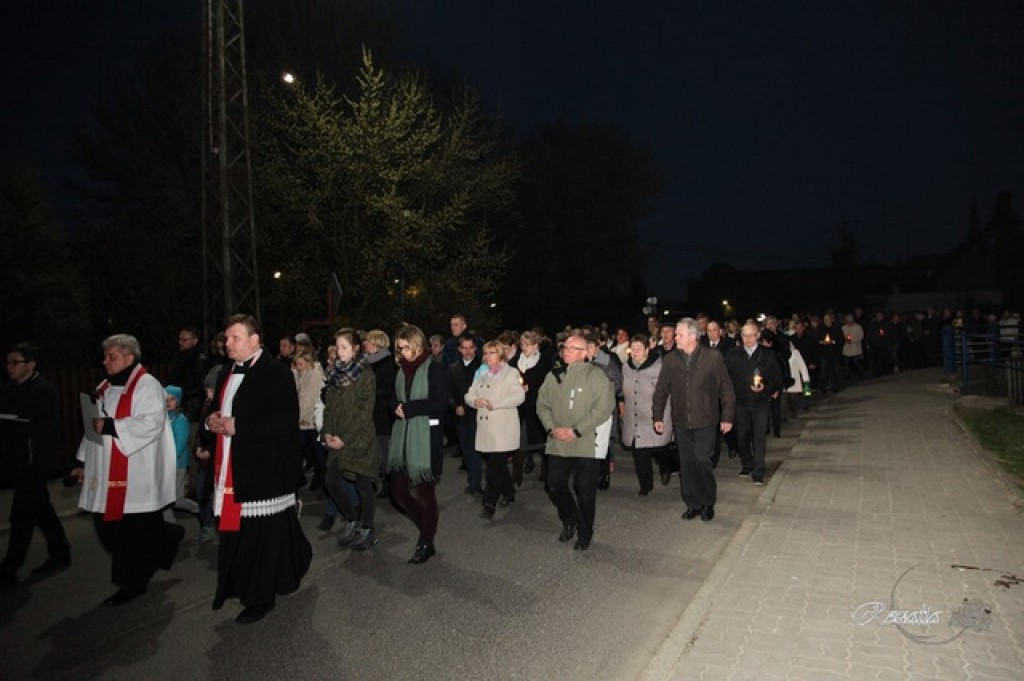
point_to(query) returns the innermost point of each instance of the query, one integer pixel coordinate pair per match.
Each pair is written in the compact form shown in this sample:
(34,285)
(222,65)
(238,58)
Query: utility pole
(230,282)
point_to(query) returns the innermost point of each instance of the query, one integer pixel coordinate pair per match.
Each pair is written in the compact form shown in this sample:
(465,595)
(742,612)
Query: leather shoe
(422,554)
(581,545)
(123,596)
(568,532)
(708,513)
(254,613)
(665,479)
(488,512)
(692,513)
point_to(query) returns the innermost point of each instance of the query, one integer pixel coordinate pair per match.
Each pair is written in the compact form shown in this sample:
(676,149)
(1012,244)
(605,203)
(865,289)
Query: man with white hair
(756,378)
(128,470)
(694,376)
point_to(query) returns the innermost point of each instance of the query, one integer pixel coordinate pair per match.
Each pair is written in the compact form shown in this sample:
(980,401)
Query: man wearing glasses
(30,444)
(575,407)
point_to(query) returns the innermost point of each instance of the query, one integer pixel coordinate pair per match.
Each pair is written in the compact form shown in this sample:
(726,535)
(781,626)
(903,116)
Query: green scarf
(410,437)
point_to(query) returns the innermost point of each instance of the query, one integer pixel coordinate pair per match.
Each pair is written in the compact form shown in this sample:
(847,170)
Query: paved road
(501,600)
(884,499)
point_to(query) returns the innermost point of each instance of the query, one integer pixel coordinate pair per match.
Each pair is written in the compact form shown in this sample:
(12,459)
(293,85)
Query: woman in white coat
(795,399)
(496,392)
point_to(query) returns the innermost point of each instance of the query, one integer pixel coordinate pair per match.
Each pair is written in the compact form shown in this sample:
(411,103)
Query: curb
(678,642)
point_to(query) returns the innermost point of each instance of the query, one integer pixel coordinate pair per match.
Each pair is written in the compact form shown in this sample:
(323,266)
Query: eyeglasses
(13,362)
(572,349)
(491,352)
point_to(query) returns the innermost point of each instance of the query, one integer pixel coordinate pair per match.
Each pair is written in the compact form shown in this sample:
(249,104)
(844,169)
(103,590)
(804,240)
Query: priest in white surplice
(128,478)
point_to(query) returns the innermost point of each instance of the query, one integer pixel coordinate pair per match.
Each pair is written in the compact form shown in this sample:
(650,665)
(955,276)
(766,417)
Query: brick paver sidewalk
(884,505)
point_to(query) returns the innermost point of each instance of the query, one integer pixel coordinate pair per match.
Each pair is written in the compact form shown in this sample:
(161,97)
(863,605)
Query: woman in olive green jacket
(348,431)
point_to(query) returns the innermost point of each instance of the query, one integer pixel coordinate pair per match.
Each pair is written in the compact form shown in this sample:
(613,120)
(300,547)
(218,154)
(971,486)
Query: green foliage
(44,293)
(381,186)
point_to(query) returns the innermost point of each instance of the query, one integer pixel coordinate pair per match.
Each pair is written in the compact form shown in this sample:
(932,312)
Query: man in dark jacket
(703,403)
(30,448)
(188,372)
(460,374)
(756,378)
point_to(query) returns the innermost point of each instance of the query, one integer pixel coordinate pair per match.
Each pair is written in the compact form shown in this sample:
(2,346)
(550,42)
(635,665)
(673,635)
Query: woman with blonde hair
(415,455)
(496,393)
(309,380)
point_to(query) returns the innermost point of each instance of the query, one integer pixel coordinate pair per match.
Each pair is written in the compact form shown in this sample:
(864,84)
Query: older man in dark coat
(703,403)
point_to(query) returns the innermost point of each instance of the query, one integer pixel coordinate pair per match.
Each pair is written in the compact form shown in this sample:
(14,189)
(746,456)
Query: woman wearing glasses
(416,452)
(496,392)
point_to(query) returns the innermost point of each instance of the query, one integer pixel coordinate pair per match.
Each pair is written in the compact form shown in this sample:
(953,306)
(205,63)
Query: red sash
(117,477)
(230,510)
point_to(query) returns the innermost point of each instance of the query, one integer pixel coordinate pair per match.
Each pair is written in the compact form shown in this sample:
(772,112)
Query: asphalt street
(501,600)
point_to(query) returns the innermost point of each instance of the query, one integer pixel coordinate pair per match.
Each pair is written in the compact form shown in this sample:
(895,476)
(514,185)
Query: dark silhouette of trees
(45,296)
(575,254)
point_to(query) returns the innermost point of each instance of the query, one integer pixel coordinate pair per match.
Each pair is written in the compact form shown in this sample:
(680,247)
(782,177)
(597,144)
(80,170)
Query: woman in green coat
(349,394)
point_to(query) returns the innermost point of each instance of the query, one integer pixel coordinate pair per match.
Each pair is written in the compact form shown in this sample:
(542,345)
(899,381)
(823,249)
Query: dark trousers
(314,452)
(204,493)
(829,379)
(643,461)
(578,510)
(751,422)
(696,473)
(359,510)
(138,544)
(420,509)
(31,507)
(474,465)
(775,415)
(854,365)
(499,482)
(668,459)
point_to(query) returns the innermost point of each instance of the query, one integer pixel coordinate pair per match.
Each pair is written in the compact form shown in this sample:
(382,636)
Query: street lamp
(288,77)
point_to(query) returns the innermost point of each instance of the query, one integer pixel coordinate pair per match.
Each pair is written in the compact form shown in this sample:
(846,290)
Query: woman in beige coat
(496,392)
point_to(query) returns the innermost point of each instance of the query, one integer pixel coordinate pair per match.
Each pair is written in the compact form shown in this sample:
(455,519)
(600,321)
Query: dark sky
(772,120)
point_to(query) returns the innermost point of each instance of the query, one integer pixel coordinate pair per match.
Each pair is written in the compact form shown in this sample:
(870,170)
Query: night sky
(773,121)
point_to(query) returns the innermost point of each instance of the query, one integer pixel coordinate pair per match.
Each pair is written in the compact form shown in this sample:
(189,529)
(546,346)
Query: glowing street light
(277,274)
(288,78)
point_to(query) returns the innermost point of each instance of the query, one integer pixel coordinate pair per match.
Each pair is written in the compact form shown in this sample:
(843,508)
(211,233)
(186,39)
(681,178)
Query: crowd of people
(367,417)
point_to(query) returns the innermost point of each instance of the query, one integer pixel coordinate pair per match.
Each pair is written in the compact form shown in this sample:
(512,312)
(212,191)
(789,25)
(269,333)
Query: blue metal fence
(987,353)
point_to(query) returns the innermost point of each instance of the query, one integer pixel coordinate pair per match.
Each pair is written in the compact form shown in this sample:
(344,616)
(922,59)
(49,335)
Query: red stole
(230,510)
(117,477)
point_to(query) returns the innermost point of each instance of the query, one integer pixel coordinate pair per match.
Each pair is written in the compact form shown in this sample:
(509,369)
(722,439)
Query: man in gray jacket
(703,402)
(575,408)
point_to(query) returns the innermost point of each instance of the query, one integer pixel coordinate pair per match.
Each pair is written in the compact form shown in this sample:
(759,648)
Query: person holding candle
(756,379)
(853,348)
(829,352)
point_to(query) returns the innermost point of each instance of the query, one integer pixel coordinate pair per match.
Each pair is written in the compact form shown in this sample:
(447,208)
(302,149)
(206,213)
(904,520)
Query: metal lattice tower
(230,281)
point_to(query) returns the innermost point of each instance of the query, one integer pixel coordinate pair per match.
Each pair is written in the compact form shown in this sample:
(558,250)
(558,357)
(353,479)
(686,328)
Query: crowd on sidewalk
(233,435)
